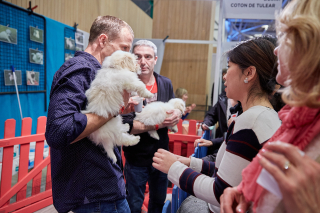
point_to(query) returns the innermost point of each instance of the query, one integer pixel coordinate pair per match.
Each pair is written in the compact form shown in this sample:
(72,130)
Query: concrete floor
(48,209)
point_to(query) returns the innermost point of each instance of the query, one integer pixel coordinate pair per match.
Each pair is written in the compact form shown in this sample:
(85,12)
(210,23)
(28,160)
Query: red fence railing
(179,143)
(37,200)
(183,144)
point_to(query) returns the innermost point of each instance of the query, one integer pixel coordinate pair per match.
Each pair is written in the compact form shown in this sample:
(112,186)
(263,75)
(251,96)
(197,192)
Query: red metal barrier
(37,200)
(178,140)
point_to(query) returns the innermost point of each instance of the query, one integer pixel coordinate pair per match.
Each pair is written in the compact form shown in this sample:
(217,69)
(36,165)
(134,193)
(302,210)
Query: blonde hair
(180,92)
(300,24)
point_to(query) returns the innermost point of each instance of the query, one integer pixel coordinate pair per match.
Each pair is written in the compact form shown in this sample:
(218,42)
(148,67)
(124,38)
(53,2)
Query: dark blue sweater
(81,172)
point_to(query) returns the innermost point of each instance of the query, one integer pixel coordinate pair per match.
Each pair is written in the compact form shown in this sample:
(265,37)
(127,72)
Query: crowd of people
(258,142)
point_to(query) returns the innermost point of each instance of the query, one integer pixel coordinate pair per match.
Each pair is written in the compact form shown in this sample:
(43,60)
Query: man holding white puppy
(84,179)
(138,168)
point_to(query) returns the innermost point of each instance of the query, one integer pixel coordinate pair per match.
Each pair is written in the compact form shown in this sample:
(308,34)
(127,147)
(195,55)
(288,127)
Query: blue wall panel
(33,103)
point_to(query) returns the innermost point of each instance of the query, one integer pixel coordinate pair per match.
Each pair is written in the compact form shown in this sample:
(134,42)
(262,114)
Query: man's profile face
(123,42)
(146,59)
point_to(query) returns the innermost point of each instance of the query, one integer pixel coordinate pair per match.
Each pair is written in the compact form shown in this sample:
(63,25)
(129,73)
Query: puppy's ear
(129,63)
(107,62)
(179,105)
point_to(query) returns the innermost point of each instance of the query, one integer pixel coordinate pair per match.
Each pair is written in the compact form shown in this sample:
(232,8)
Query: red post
(24,156)
(192,127)
(192,131)
(49,183)
(6,176)
(177,147)
(179,127)
(41,128)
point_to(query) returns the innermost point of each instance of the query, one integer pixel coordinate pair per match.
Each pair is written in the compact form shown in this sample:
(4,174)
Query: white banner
(251,9)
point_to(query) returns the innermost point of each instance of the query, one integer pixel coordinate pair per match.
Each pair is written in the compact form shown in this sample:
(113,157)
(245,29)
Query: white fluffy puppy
(156,112)
(119,72)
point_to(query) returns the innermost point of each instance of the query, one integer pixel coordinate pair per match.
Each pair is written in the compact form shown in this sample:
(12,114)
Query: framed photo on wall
(79,47)
(33,78)
(69,43)
(67,56)
(35,56)
(9,80)
(36,34)
(79,38)
(8,34)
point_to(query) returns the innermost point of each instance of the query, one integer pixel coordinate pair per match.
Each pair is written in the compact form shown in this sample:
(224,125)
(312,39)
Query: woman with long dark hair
(250,79)
(297,175)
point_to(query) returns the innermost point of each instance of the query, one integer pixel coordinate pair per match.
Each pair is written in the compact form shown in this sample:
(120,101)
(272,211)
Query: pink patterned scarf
(299,126)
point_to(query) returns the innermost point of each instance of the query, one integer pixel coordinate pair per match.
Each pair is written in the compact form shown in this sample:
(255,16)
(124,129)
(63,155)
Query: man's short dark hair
(109,25)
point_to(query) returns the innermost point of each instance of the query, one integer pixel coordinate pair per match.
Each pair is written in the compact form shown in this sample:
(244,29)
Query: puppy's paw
(114,160)
(146,94)
(154,134)
(129,140)
(126,127)
(112,156)
(174,129)
(135,140)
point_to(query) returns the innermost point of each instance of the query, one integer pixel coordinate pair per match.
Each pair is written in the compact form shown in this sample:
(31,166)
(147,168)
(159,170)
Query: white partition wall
(239,9)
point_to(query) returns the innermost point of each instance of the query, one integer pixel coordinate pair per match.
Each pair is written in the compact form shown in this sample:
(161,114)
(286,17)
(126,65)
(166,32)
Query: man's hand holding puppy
(172,120)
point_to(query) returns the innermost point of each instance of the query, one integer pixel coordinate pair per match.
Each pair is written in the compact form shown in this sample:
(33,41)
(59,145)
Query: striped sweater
(244,138)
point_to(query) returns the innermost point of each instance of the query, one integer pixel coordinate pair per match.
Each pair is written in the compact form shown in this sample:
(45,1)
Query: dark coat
(141,154)
(218,113)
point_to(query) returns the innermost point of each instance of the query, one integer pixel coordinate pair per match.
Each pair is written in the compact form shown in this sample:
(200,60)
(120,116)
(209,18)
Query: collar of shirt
(89,57)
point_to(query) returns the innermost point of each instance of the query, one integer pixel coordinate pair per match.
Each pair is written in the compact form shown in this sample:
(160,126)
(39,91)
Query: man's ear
(250,73)
(155,59)
(103,39)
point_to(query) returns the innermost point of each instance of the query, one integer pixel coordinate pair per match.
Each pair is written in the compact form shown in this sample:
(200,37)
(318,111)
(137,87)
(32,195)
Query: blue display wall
(33,104)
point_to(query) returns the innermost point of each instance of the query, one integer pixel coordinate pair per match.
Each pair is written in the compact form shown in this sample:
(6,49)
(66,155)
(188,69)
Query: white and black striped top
(244,139)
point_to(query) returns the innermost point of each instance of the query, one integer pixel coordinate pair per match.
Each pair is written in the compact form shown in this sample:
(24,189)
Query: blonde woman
(183,94)
(297,175)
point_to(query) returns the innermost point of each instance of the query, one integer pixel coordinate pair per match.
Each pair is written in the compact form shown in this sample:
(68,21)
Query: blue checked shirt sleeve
(65,120)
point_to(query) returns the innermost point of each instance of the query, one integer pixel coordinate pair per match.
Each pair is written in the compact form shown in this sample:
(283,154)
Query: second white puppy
(119,72)
(156,112)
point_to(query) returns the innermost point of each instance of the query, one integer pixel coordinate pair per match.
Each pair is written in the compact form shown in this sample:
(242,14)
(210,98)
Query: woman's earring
(246,80)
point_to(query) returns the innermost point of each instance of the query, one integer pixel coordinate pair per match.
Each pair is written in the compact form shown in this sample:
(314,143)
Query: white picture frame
(69,44)
(9,80)
(35,56)
(33,78)
(68,56)
(79,37)
(36,34)
(8,34)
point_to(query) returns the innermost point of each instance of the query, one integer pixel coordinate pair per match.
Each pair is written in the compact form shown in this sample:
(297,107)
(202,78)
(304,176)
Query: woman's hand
(184,160)
(298,176)
(163,160)
(232,201)
(231,120)
(204,127)
(189,108)
(202,142)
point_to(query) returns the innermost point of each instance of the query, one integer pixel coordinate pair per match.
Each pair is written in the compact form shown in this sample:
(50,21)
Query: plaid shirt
(81,172)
